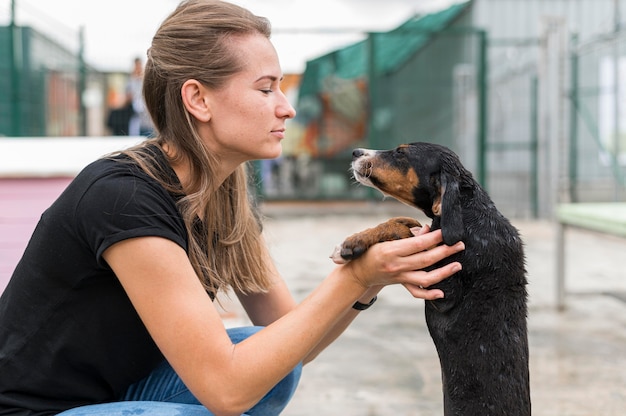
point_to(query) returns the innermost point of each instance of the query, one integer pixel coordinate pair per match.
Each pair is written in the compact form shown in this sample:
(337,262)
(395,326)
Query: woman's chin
(274,154)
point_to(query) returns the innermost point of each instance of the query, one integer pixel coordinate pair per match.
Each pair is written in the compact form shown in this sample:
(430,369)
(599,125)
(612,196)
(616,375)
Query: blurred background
(529,93)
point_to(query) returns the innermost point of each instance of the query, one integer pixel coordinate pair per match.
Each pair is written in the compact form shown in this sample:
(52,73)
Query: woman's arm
(228,378)
(265,308)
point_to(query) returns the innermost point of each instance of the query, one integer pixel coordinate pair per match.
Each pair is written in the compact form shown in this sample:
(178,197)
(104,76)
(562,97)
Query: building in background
(529,93)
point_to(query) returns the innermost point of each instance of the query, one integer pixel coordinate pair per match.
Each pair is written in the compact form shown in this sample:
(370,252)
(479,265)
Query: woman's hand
(403,261)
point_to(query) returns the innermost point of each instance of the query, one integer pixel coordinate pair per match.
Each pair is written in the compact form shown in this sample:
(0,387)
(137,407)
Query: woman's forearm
(301,333)
(342,324)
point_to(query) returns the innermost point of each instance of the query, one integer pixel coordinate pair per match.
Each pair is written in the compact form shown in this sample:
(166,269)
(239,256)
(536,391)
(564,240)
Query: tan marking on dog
(397,184)
(437,206)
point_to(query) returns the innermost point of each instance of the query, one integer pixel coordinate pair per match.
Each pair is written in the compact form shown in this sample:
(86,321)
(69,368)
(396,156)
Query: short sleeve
(123,205)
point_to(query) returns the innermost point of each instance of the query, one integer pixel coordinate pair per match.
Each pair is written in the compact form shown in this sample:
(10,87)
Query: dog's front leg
(355,245)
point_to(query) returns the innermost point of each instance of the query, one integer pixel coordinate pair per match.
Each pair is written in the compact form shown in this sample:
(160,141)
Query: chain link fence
(538,120)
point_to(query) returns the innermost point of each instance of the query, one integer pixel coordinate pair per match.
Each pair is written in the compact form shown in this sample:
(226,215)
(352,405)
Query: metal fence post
(573,122)
(372,136)
(560,265)
(15,55)
(534,145)
(482,108)
(82,83)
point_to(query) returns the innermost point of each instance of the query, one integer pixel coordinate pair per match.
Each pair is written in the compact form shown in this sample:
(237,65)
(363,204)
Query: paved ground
(385,364)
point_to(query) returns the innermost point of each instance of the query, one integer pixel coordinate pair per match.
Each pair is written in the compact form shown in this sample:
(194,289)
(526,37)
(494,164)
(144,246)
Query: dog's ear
(451,214)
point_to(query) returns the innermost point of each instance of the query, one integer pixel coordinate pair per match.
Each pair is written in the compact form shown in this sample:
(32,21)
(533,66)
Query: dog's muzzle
(362,165)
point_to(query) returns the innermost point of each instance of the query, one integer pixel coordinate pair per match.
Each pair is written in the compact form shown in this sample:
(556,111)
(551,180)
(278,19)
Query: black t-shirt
(69,335)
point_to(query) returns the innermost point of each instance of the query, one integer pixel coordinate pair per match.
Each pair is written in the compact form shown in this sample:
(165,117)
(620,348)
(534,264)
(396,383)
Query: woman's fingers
(421,293)
(417,282)
(403,261)
(423,240)
(420,230)
(426,258)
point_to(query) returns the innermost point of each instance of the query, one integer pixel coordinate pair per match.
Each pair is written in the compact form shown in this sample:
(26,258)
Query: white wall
(58,156)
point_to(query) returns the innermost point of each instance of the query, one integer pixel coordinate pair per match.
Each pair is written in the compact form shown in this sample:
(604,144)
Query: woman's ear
(195,100)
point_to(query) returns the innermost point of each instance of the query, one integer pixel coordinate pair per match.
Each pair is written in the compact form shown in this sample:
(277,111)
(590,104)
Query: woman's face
(248,114)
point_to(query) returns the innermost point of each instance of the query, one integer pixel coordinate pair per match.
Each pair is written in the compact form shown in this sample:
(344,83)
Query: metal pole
(372,135)
(373,90)
(482,108)
(573,133)
(534,146)
(560,265)
(616,93)
(616,97)
(82,82)
(15,59)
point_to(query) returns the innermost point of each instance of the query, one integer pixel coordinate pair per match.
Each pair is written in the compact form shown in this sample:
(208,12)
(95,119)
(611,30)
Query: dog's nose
(357,153)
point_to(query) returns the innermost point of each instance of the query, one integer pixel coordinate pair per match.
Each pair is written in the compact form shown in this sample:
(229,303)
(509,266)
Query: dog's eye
(400,151)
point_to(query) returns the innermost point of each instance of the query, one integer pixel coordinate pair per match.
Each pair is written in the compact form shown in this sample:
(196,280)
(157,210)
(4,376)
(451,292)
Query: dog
(479,328)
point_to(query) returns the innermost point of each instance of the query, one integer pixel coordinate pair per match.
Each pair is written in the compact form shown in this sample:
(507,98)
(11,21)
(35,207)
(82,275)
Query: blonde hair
(226,248)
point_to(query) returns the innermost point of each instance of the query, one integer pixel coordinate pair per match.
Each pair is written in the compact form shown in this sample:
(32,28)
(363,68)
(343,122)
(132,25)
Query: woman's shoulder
(119,167)
(118,164)
(116,178)
(116,195)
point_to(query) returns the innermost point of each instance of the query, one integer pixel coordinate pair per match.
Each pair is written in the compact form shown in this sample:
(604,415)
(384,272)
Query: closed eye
(268,84)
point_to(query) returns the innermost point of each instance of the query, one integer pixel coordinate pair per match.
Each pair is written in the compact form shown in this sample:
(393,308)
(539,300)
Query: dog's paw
(350,249)
(355,245)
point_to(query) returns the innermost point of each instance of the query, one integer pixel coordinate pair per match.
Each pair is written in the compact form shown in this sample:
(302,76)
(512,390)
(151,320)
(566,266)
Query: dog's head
(424,175)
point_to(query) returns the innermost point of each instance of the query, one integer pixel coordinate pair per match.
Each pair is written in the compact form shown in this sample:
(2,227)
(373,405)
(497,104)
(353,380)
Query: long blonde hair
(225,248)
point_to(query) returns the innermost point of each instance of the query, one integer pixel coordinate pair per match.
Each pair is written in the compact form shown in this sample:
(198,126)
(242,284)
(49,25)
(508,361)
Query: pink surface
(22,201)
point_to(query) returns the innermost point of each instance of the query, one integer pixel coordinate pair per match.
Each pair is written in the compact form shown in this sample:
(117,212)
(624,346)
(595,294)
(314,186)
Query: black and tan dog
(479,328)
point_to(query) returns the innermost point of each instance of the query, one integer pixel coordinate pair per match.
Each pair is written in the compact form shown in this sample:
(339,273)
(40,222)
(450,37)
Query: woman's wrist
(370,293)
(366,295)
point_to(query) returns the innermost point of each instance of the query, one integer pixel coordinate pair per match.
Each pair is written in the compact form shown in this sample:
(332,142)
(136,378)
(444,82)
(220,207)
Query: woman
(110,310)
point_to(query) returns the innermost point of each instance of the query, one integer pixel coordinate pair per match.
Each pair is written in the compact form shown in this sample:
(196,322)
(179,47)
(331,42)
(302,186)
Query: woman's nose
(284,108)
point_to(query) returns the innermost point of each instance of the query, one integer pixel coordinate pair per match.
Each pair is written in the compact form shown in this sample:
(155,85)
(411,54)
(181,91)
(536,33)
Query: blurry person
(118,120)
(139,123)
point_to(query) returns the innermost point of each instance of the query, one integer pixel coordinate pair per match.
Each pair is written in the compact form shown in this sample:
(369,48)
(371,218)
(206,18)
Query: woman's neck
(181,167)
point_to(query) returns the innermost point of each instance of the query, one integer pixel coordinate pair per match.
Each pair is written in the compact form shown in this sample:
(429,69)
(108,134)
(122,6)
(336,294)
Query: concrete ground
(385,364)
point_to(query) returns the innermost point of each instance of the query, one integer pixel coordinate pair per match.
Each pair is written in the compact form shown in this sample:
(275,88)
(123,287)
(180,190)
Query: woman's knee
(278,398)
(164,385)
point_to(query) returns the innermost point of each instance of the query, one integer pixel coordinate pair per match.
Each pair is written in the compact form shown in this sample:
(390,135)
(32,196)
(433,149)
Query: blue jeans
(162,393)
